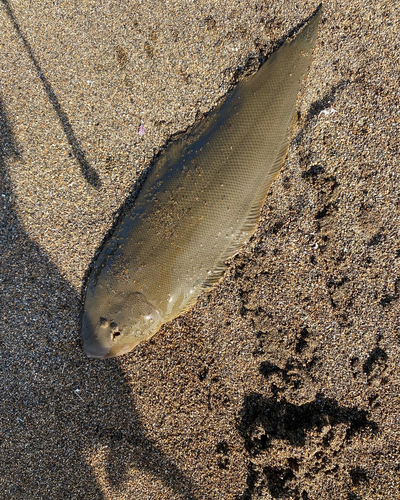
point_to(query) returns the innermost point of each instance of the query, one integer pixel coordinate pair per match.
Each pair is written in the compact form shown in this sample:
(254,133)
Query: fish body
(199,204)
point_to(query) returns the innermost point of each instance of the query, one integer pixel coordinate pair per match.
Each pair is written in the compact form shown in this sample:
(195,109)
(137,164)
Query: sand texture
(283,380)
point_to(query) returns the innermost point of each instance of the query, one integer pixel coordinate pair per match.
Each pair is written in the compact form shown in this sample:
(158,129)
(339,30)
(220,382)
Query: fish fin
(253,217)
(251,222)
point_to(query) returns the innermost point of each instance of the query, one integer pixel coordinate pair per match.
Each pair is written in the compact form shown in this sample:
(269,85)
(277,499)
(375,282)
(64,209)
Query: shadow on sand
(87,170)
(57,406)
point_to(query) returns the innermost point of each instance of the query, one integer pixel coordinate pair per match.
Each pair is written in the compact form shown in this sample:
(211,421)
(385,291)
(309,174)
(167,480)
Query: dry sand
(283,381)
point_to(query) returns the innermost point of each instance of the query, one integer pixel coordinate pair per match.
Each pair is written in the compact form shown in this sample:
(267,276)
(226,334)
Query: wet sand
(282,381)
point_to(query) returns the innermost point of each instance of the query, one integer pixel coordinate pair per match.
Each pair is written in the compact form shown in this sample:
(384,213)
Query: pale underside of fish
(201,201)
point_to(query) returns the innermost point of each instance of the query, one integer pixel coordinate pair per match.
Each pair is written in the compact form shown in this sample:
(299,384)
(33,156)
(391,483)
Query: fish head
(113,324)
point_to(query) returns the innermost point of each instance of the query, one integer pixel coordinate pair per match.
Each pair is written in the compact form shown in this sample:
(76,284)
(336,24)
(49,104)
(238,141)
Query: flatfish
(201,201)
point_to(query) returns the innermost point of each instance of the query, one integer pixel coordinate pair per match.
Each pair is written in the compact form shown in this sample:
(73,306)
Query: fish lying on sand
(199,204)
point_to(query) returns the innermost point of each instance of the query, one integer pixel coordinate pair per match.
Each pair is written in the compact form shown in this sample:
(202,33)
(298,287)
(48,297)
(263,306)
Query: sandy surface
(283,381)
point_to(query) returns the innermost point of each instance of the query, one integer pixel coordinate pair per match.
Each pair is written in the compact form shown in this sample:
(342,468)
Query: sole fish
(201,201)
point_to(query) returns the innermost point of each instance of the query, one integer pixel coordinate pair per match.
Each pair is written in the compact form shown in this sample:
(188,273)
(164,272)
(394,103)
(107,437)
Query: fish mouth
(92,345)
(94,354)
(98,346)
(99,351)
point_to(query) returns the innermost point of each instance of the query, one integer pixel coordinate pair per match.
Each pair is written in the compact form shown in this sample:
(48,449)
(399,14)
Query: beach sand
(283,380)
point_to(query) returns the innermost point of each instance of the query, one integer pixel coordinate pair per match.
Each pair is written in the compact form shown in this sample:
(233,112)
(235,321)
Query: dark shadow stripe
(87,170)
